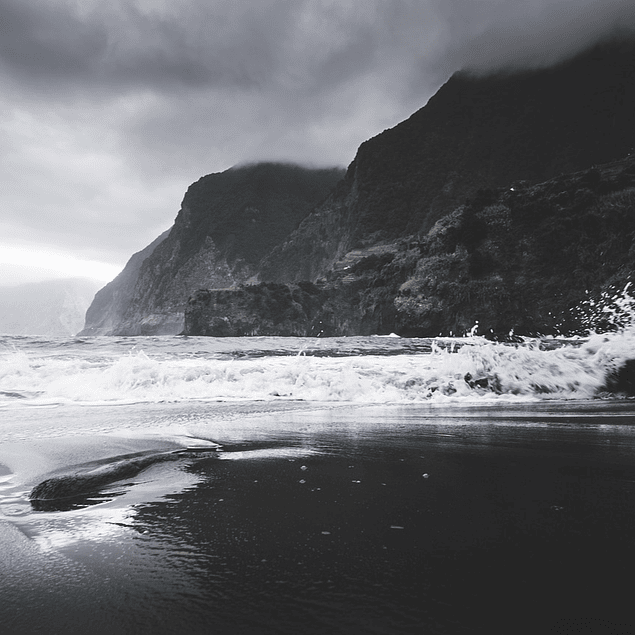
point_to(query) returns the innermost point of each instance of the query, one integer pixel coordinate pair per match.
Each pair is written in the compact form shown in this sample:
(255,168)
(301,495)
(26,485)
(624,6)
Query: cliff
(507,202)
(507,199)
(227,222)
(112,302)
(526,258)
(476,132)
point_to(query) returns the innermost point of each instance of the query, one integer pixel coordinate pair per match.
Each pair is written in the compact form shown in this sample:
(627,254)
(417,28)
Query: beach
(283,515)
(403,519)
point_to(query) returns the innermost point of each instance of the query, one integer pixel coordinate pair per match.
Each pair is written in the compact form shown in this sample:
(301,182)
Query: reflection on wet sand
(371,520)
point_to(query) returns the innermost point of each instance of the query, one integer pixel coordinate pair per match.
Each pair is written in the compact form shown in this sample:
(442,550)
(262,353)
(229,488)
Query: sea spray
(611,310)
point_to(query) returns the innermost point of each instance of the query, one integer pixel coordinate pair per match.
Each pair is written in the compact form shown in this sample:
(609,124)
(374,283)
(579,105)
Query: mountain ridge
(382,244)
(476,132)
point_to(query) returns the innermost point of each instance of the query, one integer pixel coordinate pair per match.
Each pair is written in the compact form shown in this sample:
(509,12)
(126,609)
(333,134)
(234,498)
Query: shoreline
(334,520)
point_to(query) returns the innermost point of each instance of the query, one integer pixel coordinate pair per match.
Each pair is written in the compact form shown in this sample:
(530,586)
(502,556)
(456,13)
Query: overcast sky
(109,110)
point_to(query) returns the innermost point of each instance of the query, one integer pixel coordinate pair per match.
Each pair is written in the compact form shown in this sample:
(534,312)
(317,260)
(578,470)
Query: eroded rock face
(227,223)
(520,260)
(525,259)
(250,310)
(110,304)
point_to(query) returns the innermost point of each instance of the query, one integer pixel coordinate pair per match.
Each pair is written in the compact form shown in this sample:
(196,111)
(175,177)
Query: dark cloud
(509,35)
(335,74)
(42,41)
(121,45)
(110,109)
(131,45)
(312,44)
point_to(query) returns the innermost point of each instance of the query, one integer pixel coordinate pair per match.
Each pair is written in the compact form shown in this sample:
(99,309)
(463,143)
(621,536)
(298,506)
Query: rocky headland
(507,200)
(475,133)
(227,222)
(111,303)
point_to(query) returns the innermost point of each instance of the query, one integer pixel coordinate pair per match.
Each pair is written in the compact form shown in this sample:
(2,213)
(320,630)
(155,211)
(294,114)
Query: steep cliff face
(507,202)
(110,304)
(484,205)
(524,260)
(227,223)
(475,133)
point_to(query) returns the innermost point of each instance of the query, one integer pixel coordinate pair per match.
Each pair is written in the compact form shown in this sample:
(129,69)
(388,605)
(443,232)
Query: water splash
(612,310)
(451,369)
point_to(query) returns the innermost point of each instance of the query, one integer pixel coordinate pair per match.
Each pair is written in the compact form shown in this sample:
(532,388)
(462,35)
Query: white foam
(476,370)
(611,310)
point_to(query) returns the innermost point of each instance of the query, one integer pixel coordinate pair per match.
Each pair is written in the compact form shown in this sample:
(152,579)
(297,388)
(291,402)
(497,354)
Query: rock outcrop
(227,223)
(81,488)
(251,310)
(271,308)
(622,380)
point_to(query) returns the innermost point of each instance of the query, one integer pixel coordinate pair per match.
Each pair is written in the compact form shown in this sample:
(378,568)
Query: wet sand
(347,520)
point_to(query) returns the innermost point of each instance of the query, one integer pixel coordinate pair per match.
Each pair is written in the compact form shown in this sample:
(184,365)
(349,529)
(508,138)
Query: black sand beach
(348,520)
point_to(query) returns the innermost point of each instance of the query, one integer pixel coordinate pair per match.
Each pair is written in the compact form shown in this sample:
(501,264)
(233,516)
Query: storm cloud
(109,110)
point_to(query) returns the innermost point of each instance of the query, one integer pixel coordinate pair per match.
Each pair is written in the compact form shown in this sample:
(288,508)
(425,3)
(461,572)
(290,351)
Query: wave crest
(471,368)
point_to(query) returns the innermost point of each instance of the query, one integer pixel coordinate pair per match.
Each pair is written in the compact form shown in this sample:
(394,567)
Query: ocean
(339,485)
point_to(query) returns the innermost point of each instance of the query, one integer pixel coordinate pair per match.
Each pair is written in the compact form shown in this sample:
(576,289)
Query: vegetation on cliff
(525,258)
(248,210)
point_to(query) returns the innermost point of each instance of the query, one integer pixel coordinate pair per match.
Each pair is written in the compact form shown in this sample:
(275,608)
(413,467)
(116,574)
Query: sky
(109,110)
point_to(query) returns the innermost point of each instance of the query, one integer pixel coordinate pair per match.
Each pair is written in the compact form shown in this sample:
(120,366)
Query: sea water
(338,485)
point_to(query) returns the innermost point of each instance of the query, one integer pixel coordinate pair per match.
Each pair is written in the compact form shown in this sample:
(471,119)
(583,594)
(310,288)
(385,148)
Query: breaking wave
(363,370)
